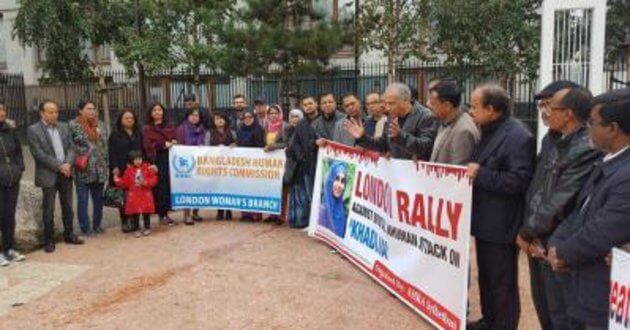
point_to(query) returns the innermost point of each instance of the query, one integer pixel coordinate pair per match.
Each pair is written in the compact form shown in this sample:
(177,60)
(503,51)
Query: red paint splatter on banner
(439,171)
(430,169)
(361,155)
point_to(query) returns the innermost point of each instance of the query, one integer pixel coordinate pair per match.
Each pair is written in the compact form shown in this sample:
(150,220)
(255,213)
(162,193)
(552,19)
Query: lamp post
(349,5)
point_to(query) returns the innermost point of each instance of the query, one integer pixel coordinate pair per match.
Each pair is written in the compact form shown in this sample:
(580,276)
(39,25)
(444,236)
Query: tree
(194,29)
(171,33)
(286,34)
(66,31)
(143,43)
(398,28)
(500,38)
(57,28)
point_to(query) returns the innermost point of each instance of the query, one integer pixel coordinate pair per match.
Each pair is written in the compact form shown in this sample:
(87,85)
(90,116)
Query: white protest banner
(242,179)
(406,224)
(619,316)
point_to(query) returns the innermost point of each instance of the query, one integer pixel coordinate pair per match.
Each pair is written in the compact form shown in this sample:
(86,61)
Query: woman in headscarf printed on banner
(332,213)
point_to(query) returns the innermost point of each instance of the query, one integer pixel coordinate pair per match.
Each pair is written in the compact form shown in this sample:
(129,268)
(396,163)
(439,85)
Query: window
(336,10)
(345,10)
(40,56)
(104,53)
(341,11)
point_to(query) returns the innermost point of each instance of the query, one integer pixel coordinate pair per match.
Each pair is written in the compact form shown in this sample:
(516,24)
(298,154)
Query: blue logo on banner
(183,166)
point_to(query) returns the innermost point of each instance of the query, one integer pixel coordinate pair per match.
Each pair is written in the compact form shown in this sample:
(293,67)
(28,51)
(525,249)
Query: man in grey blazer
(352,106)
(457,135)
(51,145)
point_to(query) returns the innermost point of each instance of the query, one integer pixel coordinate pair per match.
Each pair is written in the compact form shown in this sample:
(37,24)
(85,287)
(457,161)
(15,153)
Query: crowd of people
(565,207)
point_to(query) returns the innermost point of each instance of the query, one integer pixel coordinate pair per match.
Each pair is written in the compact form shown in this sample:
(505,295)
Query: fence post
(166,90)
(211,97)
(102,89)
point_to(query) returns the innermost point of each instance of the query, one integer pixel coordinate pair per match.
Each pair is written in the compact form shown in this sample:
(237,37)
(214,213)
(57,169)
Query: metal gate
(572,45)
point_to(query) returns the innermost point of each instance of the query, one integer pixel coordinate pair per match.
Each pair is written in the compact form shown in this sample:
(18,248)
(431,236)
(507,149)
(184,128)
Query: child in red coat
(137,181)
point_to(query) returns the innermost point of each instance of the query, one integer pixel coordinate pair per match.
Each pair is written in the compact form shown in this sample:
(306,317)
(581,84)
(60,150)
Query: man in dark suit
(411,128)
(51,145)
(502,168)
(600,221)
(564,163)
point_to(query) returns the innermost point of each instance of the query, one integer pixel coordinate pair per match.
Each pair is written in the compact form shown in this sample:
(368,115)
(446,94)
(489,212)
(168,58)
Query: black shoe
(197,218)
(74,240)
(167,221)
(247,219)
(99,230)
(477,325)
(49,247)
(274,219)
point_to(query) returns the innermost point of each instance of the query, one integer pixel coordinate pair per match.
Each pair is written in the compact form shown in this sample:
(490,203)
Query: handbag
(113,197)
(81,161)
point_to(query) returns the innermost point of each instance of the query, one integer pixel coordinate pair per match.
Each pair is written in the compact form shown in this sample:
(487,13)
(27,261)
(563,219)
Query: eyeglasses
(547,109)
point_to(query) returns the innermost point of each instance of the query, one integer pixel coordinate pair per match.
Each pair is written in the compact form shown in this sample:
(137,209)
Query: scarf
(155,137)
(217,138)
(89,127)
(192,135)
(275,126)
(246,133)
(335,211)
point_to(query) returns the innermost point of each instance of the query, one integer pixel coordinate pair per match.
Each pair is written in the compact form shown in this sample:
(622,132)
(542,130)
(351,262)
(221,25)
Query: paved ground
(212,275)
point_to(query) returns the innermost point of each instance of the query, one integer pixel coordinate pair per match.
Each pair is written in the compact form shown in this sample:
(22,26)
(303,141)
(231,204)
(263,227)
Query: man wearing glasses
(565,161)
(375,123)
(600,219)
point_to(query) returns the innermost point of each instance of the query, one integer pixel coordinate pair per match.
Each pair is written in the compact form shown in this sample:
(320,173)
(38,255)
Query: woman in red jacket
(138,180)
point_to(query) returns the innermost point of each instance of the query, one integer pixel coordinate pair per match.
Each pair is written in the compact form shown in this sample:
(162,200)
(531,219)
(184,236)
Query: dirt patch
(132,289)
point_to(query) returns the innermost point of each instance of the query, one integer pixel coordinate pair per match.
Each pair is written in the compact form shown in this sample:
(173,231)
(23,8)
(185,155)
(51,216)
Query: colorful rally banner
(619,316)
(406,224)
(242,179)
